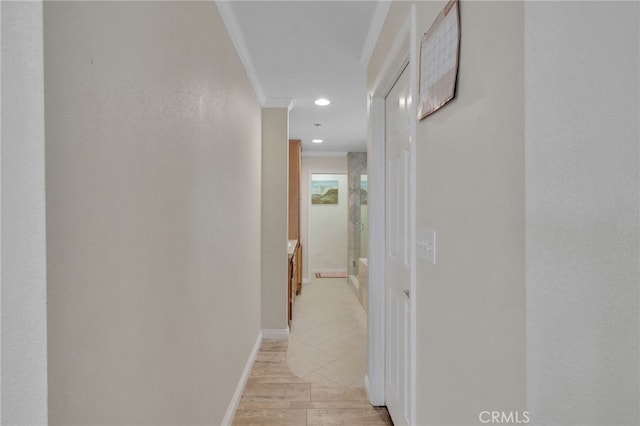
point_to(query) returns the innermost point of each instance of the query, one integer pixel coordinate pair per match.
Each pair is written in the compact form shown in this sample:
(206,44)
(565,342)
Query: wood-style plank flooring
(275,396)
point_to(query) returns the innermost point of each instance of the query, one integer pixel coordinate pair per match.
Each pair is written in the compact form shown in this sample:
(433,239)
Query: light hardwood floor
(274,395)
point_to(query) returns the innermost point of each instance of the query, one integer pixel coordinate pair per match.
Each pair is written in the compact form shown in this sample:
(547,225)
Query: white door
(398,156)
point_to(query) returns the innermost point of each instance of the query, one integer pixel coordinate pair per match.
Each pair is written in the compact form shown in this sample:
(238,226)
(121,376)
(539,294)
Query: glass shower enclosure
(358,226)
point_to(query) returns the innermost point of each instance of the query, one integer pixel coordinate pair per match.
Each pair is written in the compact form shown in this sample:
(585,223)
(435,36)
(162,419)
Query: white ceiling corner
(278,103)
(230,21)
(377,22)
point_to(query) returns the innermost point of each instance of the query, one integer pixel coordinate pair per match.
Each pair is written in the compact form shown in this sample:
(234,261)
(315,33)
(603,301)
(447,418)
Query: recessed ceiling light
(317,141)
(322,102)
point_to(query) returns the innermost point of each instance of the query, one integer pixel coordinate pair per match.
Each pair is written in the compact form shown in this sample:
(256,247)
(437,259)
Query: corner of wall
(23,283)
(274,219)
(242,382)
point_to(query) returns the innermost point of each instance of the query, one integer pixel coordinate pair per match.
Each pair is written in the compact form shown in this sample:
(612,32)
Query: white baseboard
(354,281)
(329,271)
(275,333)
(246,372)
(366,386)
(367,390)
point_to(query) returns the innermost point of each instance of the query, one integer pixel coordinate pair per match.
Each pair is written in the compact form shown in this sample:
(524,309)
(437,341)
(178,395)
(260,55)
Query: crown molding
(377,22)
(230,21)
(278,103)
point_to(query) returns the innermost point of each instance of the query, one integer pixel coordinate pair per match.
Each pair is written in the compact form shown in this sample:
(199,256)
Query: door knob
(406,293)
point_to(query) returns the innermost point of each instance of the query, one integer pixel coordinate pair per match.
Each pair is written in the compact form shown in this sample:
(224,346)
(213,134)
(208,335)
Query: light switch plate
(426,245)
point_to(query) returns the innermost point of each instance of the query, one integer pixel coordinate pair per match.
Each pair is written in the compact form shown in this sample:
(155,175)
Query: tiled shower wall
(356,166)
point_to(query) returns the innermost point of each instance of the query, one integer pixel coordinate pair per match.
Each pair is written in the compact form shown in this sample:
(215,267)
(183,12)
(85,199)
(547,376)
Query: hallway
(144,216)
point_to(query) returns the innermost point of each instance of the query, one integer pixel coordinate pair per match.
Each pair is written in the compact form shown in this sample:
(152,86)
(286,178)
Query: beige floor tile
(340,346)
(274,345)
(303,321)
(277,391)
(329,324)
(359,356)
(323,333)
(291,378)
(271,416)
(320,380)
(272,357)
(252,405)
(304,359)
(344,371)
(344,416)
(330,404)
(270,370)
(298,348)
(384,415)
(358,336)
(299,369)
(319,312)
(323,393)
(358,383)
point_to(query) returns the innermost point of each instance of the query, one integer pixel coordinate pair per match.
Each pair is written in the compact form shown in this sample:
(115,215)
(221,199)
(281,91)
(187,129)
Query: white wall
(153,174)
(328,229)
(531,177)
(23,318)
(314,164)
(275,211)
(582,186)
(470,188)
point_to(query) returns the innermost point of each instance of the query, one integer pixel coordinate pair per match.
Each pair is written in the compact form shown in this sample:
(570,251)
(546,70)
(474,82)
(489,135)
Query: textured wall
(153,174)
(470,307)
(583,189)
(275,202)
(531,176)
(23,385)
(470,189)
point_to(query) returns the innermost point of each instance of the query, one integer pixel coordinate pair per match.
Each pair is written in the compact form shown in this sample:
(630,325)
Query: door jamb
(402,52)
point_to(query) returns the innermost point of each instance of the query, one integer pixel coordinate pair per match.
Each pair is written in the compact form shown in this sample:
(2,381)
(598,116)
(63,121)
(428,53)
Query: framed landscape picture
(324,191)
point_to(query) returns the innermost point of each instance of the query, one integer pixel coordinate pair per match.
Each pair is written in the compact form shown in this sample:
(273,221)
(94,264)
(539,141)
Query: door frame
(402,53)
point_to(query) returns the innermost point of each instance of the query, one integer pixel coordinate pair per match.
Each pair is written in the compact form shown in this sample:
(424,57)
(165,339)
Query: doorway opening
(328,219)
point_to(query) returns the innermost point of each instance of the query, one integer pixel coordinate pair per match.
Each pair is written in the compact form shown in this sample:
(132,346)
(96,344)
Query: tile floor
(316,377)
(275,396)
(328,337)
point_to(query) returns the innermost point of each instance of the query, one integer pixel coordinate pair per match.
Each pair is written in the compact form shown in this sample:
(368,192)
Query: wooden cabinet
(295,158)
(294,281)
(295,275)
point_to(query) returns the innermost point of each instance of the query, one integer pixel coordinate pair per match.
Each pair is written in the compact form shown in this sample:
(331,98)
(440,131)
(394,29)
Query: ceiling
(298,51)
